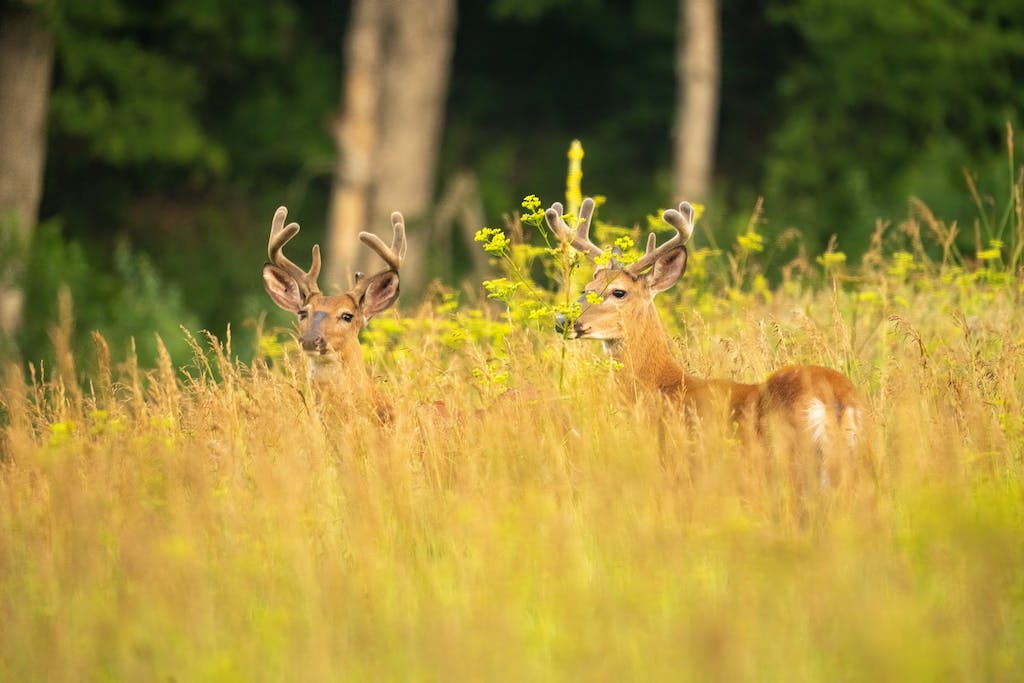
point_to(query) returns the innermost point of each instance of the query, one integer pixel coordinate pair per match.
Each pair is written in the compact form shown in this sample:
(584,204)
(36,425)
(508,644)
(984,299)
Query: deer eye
(347,317)
(618,293)
(303,314)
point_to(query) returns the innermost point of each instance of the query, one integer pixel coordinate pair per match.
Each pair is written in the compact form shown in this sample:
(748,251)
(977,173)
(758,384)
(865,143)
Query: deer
(329,326)
(819,405)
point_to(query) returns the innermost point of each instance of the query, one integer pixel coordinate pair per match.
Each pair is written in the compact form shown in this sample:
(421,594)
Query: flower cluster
(501,289)
(533,211)
(494,239)
(832,260)
(752,242)
(993,253)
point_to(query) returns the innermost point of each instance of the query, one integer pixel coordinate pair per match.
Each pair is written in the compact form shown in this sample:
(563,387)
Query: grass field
(228,522)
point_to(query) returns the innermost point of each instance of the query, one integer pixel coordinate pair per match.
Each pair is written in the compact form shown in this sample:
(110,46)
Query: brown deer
(329,325)
(820,406)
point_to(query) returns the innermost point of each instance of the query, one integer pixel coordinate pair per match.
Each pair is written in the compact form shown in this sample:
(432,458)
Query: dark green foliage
(127,298)
(598,71)
(176,128)
(884,100)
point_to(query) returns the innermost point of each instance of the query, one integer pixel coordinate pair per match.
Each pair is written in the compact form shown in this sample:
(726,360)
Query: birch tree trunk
(395,88)
(697,76)
(26,64)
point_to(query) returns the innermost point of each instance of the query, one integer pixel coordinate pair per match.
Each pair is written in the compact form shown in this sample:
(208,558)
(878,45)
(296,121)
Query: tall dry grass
(229,523)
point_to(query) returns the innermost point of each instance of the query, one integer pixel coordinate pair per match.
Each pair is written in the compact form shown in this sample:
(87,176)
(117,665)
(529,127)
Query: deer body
(328,326)
(820,406)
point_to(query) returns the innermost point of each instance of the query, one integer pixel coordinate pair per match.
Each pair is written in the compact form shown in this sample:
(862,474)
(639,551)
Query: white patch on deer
(817,422)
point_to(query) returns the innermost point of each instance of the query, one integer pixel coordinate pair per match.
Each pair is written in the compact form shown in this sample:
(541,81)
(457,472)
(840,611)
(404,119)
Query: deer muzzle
(563,328)
(312,338)
(561,322)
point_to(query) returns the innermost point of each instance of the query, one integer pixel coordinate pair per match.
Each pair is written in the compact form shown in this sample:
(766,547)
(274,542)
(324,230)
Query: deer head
(624,293)
(329,325)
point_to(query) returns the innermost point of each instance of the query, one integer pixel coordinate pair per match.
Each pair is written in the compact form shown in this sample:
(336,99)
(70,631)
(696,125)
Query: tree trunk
(415,90)
(355,135)
(697,75)
(26,64)
(396,84)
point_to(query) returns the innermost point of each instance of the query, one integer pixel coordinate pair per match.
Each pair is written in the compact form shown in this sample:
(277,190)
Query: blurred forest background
(145,145)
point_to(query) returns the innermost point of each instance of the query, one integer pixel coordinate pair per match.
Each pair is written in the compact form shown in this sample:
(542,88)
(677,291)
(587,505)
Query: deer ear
(380,293)
(282,288)
(667,270)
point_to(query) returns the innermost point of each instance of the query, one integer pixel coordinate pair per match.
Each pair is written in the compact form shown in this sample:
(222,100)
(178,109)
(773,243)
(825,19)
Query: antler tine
(682,221)
(395,254)
(280,234)
(580,238)
(652,242)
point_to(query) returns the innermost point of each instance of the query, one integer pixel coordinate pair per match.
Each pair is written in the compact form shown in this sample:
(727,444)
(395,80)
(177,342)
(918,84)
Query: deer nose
(312,342)
(561,322)
(311,338)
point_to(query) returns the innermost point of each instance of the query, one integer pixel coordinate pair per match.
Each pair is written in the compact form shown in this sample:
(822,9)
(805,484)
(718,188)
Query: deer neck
(646,355)
(342,378)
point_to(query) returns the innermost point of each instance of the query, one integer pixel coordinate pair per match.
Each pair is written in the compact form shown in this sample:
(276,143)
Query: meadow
(223,521)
